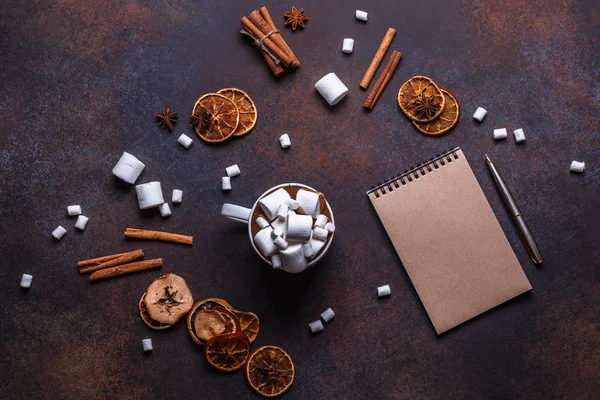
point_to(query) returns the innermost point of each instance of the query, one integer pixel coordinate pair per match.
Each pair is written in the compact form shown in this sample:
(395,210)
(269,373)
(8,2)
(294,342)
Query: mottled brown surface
(80,82)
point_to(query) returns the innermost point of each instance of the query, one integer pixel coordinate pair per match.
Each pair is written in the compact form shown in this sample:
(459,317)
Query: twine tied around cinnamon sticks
(260,43)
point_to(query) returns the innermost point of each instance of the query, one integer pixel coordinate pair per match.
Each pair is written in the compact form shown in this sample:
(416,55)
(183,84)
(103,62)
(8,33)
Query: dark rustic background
(80,83)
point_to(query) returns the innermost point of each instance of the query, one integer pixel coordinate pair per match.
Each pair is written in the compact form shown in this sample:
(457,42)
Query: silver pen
(514,211)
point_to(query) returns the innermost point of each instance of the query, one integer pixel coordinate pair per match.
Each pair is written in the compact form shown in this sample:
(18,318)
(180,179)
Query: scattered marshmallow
(128,168)
(577,166)
(233,170)
(308,250)
(500,133)
(309,202)
(384,291)
(26,281)
(362,15)
(81,222)
(330,227)
(262,222)
(519,135)
(280,242)
(299,227)
(177,196)
(59,232)
(165,210)
(73,210)
(264,242)
(147,344)
(292,204)
(319,234)
(327,315)
(270,203)
(285,141)
(185,140)
(276,261)
(277,232)
(479,114)
(348,45)
(149,195)
(331,88)
(316,326)
(226,183)
(321,221)
(293,259)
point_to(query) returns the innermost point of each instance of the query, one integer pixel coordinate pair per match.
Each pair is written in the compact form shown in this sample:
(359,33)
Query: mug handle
(236,213)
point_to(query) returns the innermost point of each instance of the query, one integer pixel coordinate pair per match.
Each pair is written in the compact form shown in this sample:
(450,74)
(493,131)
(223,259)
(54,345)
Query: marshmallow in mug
(331,88)
(298,227)
(309,202)
(293,259)
(271,202)
(264,241)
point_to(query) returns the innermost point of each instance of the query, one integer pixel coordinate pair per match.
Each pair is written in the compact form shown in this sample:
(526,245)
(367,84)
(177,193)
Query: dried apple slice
(146,317)
(270,371)
(227,352)
(168,299)
(206,323)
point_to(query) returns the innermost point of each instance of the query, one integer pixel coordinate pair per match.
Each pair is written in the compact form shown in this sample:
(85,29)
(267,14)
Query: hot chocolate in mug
(290,226)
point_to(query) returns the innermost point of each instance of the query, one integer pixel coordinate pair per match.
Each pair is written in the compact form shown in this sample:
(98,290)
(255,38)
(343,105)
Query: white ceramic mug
(244,214)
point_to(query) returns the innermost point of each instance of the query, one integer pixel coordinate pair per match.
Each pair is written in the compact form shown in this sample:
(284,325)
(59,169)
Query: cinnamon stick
(385,43)
(158,235)
(124,259)
(126,269)
(268,43)
(266,25)
(383,79)
(98,260)
(276,69)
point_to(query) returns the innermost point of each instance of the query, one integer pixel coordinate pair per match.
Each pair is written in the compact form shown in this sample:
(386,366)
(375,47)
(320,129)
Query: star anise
(296,18)
(200,118)
(167,118)
(425,106)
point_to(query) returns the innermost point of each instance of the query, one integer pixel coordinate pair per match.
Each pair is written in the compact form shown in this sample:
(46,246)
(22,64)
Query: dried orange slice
(146,317)
(421,99)
(246,107)
(204,324)
(447,119)
(215,118)
(249,323)
(168,299)
(227,352)
(270,371)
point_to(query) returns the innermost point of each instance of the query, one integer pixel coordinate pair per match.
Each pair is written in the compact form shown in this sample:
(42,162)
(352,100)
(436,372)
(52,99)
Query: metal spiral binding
(414,173)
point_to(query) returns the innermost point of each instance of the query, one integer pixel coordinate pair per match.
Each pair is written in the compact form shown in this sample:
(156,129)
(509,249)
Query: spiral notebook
(449,240)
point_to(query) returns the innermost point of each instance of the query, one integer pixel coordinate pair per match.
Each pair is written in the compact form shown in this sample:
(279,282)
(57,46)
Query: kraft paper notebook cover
(449,240)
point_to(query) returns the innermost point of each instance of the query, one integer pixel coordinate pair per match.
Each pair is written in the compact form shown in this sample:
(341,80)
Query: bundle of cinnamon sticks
(117,264)
(260,27)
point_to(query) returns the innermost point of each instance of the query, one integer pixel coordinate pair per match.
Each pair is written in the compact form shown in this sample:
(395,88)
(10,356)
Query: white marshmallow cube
(276,261)
(264,242)
(316,245)
(330,227)
(299,227)
(327,315)
(185,140)
(26,281)
(73,210)
(233,170)
(280,223)
(271,202)
(226,183)
(147,344)
(262,222)
(128,168)
(331,88)
(348,45)
(284,140)
(308,250)
(81,222)
(321,221)
(59,232)
(316,326)
(362,15)
(149,195)
(277,232)
(384,291)
(479,114)
(319,234)
(577,166)
(309,202)
(500,133)
(280,242)
(177,196)
(293,259)
(519,135)
(165,210)
(292,204)
(282,211)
